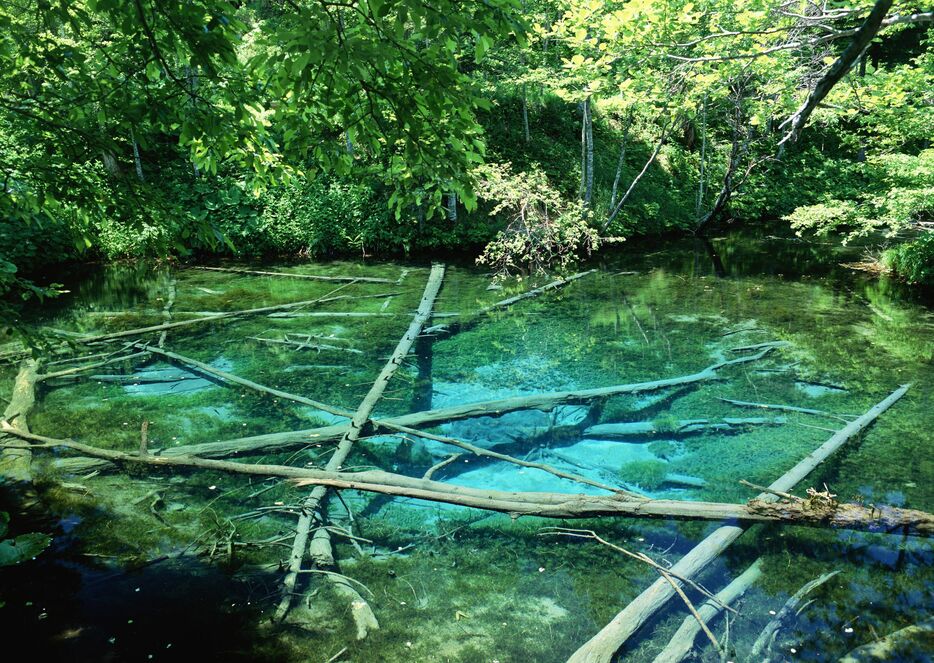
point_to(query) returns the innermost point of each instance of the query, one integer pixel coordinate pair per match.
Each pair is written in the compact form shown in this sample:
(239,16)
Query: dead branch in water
(766,639)
(15,463)
(307,344)
(604,645)
(809,513)
(682,642)
(291,440)
(478,316)
(363,614)
(314,277)
(84,338)
(784,408)
(679,427)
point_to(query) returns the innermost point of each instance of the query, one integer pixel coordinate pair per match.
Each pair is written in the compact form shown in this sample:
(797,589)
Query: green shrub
(913,261)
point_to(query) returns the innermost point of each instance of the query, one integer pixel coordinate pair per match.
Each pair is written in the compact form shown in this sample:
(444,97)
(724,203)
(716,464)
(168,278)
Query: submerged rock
(150,384)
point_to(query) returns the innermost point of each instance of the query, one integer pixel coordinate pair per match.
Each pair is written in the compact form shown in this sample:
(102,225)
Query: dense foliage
(146,127)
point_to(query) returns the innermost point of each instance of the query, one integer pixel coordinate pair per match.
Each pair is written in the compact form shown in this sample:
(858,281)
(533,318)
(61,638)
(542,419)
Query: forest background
(526,132)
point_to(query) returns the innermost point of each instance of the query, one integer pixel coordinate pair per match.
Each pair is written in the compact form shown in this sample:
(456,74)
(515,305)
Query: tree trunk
(838,70)
(679,427)
(136,158)
(603,646)
(703,160)
(738,152)
(810,513)
(525,115)
(452,207)
(15,464)
(363,617)
(313,277)
(622,160)
(588,191)
(583,186)
(632,185)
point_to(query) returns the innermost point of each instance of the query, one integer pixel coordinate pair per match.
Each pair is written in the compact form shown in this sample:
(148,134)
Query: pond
(153,563)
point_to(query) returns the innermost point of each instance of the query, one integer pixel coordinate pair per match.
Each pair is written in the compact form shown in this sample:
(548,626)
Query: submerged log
(767,637)
(74,371)
(314,277)
(290,440)
(305,345)
(682,642)
(85,338)
(904,642)
(15,464)
(782,408)
(679,427)
(363,614)
(503,303)
(604,645)
(209,370)
(354,314)
(546,505)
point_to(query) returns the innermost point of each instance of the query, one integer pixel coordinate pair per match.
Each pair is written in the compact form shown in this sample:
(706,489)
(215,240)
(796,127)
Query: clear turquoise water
(183,566)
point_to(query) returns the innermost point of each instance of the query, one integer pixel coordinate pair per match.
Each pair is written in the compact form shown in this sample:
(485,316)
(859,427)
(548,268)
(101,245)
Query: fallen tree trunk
(86,367)
(354,314)
(782,408)
(905,642)
(503,303)
(290,440)
(314,277)
(83,338)
(363,615)
(15,464)
(132,379)
(766,639)
(682,642)
(480,451)
(546,505)
(602,647)
(680,427)
(207,369)
(305,345)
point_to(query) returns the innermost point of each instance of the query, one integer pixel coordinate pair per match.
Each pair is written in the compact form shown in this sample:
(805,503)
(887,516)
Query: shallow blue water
(447,583)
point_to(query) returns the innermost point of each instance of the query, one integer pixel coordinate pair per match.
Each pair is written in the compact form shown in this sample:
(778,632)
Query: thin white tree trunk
(703,160)
(136,158)
(604,645)
(588,190)
(622,161)
(525,115)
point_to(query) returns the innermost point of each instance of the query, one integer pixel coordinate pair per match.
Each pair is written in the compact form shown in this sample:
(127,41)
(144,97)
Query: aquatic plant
(666,423)
(21,547)
(649,474)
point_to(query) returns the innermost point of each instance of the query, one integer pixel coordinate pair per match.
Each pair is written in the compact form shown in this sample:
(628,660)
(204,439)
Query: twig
(335,574)
(690,606)
(642,557)
(766,489)
(336,656)
(437,466)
